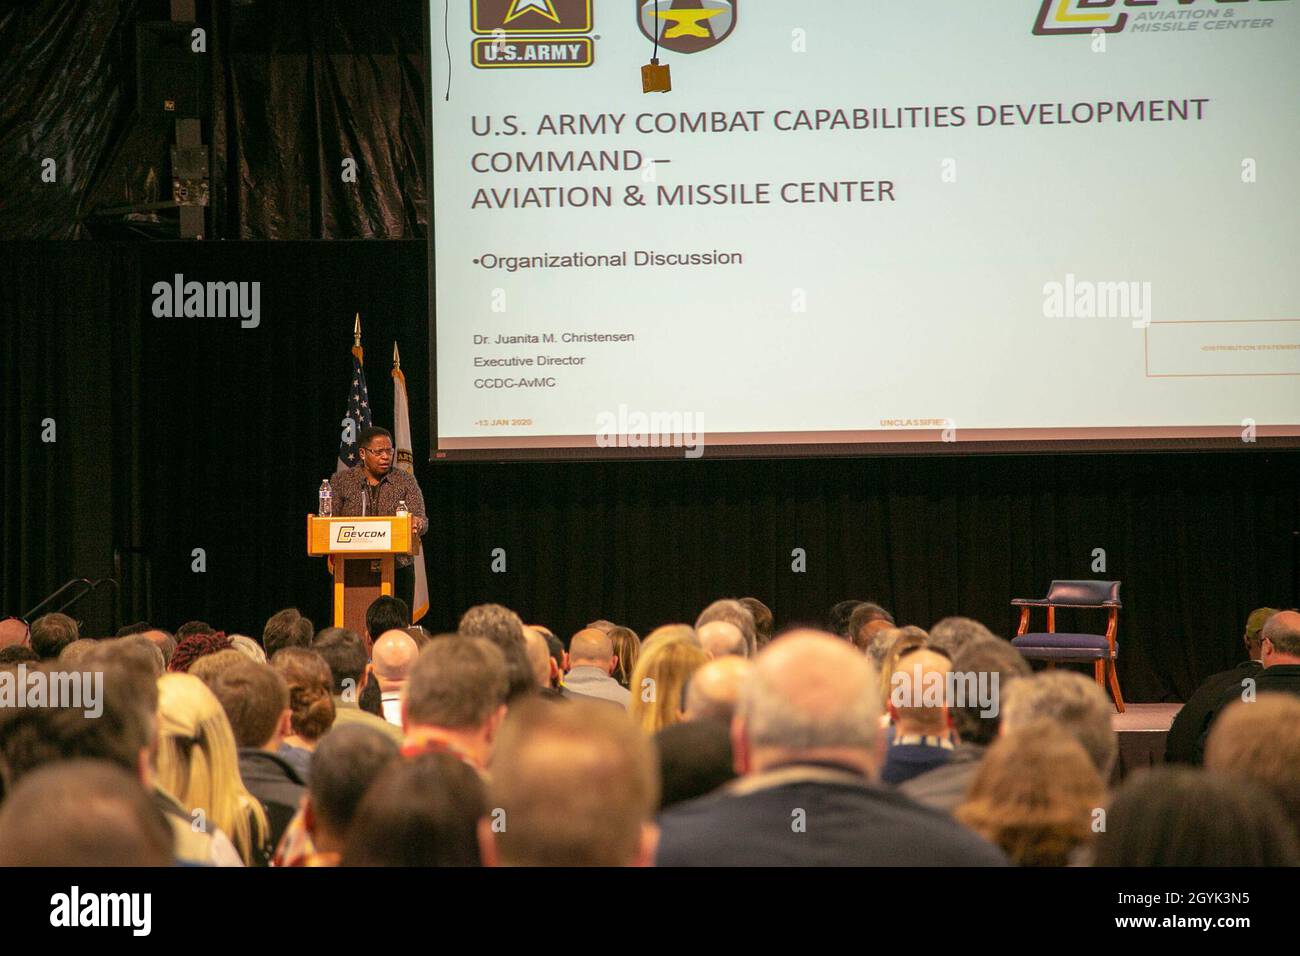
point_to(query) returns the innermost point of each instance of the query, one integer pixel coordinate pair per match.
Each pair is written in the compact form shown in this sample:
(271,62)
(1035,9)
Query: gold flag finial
(397,358)
(356,332)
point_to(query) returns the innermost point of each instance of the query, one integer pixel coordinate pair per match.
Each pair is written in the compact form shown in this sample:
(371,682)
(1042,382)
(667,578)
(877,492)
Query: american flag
(358,411)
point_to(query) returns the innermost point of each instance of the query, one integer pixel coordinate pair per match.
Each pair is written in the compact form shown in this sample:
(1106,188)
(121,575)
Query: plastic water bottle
(402,510)
(326,500)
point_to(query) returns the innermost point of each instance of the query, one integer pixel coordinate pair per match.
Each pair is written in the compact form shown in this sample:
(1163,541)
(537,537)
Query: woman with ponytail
(198,764)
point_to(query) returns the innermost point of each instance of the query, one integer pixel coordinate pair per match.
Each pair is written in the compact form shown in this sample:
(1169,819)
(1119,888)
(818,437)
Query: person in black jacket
(256,701)
(806,740)
(1183,743)
(1280,655)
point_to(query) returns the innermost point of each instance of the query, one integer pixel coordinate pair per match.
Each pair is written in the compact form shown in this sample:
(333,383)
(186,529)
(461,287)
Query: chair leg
(1114,684)
(1099,672)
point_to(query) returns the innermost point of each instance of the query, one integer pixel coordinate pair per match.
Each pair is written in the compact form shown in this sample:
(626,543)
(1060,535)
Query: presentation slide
(862,225)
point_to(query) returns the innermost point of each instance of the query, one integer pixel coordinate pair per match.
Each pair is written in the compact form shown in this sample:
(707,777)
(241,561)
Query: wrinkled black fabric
(295,89)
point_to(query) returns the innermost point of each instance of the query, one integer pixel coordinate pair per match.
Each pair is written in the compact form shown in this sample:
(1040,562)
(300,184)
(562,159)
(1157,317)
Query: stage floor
(1142,729)
(1145,717)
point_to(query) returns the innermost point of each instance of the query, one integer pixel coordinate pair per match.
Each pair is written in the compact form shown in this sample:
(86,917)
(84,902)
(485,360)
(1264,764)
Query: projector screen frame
(1230,439)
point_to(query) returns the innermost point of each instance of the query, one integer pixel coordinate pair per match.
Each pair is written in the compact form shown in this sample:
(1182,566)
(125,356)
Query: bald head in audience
(917,670)
(1280,639)
(811,697)
(721,638)
(539,655)
(12,632)
(393,656)
(578,784)
(592,648)
(715,688)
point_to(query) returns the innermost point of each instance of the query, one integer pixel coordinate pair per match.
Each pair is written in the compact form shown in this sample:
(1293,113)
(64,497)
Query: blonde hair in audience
(669,656)
(1034,795)
(628,648)
(198,762)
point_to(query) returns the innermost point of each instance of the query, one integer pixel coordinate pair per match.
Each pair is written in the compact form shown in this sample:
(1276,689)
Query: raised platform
(1142,729)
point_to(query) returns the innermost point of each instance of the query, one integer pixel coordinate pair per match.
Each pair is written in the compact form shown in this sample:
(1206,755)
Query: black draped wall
(176,434)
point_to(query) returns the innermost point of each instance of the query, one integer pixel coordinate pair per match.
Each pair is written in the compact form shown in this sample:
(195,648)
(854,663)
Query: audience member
(343,767)
(694,758)
(591,662)
(1037,795)
(905,642)
(918,708)
(1073,701)
(559,657)
(627,649)
(1183,742)
(385,613)
(994,663)
(763,620)
(256,701)
(18,654)
(160,638)
(733,612)
(456,699)
(1261,741)
(419,812)
(194,645)
(287,628)
(1180,817)
(1280,656)
(140,647)
(345,654)
(539,658)
(311,705)
(722,638)
(13,632)
(884,638)
(190,628)
(248,647)
(712,691)
(659,682)
(837,621)
(51,633)
(951,634)
(198,764)
(83,813)
(394,655)
(502,627)
(70,657)
(867,620)
(575,786)
(806,743)
(207,667)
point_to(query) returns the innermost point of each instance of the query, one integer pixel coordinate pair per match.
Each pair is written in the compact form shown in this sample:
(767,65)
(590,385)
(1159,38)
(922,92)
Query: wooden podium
(363,550)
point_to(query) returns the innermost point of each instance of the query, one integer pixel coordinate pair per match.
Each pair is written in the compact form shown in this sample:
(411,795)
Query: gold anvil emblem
(688,23)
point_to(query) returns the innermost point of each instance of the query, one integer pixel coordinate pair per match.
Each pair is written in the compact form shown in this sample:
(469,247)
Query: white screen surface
(855,223)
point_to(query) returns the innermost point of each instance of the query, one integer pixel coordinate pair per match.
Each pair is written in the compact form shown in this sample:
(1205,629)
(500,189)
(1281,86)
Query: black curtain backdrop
(176,434)
(290,89)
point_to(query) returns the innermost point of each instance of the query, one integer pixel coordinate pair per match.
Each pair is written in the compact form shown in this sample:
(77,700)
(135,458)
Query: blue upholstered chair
(1052,647)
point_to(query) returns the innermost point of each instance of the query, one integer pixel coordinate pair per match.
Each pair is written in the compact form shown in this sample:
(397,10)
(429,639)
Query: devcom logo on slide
(1061,17)
(527,34)
(687,26)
